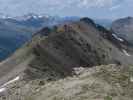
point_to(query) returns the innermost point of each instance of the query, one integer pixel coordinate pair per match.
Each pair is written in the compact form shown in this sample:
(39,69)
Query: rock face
(81,43)
(124,28)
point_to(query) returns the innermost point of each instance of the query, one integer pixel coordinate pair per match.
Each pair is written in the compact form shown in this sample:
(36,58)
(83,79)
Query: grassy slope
(108,82)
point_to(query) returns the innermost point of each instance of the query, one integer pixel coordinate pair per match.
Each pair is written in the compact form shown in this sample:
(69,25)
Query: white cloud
(97,3)
(60,3)
(94,3)
(114,7)
(53,6)
(76,3)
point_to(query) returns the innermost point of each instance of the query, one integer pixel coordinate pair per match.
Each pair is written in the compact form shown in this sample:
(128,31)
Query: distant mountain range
(15,31)
(104,22)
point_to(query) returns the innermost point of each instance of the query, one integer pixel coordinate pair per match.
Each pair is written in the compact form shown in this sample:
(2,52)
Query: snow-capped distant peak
(29,16)
(3,16)
(35,16)
(25,17)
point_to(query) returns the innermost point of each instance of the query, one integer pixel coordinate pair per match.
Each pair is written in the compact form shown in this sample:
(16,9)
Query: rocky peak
(124,28)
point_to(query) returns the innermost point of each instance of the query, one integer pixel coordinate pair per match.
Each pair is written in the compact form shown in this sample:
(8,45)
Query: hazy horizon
(101,9)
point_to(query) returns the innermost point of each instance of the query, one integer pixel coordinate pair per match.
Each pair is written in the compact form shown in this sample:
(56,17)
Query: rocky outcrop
(75,44)
(106,82)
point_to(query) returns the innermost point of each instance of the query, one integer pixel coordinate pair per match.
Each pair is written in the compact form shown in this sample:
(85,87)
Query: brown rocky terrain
(106,82)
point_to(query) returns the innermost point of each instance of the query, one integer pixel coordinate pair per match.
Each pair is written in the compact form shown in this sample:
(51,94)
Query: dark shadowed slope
(76,44)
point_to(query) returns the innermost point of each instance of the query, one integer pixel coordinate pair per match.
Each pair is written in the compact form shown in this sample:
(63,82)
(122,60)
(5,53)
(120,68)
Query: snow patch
(131,79)
(117,37)
(12,81)
(3,88)
(78,70)
(40,16)
(126,53)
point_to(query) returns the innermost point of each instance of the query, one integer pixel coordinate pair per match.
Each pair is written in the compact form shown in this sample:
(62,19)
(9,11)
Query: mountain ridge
(15,31)
(51,58)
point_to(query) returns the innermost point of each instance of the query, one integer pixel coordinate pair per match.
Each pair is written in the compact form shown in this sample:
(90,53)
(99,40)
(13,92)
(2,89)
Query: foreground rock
(108,82)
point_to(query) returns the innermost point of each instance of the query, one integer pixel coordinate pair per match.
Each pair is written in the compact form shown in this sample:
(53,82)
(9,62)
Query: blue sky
(91,8)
